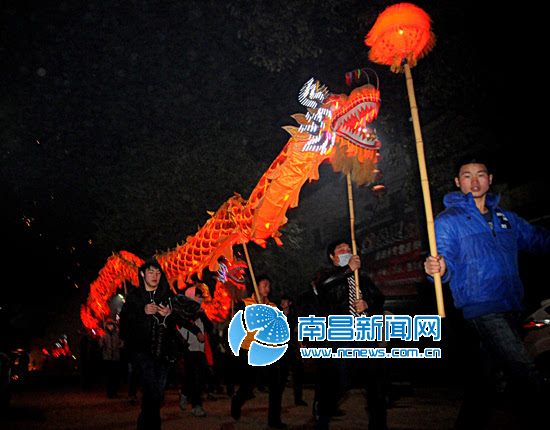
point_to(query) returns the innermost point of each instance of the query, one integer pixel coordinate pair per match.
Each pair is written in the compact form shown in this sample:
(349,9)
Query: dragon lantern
(336,128)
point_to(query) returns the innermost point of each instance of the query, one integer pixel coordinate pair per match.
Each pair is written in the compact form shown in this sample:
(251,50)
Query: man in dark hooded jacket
(148,328)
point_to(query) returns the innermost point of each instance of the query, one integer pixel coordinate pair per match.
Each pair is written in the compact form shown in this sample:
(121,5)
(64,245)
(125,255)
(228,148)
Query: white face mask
(343,259)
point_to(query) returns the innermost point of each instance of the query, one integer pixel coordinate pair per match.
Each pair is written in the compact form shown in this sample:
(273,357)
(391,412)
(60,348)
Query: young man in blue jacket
(478,244)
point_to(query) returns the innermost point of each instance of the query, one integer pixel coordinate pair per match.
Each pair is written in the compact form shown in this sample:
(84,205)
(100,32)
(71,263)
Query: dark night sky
(98,84)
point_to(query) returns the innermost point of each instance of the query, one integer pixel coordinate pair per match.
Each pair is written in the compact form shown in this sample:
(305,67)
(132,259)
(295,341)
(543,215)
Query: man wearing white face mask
(335,286)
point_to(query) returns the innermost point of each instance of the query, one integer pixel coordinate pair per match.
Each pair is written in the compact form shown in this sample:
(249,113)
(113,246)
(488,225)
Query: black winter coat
(333,292)
(154,335)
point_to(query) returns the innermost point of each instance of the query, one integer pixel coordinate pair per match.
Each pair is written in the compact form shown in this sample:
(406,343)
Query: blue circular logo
(272,330)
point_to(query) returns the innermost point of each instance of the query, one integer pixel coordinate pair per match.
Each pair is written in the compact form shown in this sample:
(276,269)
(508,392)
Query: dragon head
(340,127)
(352,115)
(232,271)
(229,275)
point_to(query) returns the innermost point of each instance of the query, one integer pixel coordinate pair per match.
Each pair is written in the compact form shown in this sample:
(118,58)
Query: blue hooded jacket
(482,260)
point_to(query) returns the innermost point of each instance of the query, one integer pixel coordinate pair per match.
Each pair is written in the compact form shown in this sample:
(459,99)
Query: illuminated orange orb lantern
(400,36)
(401,32)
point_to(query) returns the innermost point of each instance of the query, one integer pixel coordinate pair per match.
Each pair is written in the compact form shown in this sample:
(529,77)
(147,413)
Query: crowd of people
(478,245)
(159,342)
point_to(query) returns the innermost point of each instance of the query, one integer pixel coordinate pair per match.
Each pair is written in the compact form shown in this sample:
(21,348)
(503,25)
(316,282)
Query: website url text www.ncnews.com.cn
(370,353)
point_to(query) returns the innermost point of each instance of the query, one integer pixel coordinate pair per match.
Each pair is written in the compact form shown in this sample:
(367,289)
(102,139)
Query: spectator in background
(111,345)
(195,360)
(294,357)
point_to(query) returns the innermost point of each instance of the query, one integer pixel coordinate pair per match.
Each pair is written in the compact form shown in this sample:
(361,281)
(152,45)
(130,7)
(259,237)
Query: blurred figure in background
(111,345)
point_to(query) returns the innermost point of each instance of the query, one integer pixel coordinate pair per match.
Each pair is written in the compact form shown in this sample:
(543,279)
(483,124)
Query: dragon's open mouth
(232,271)
(351,121)
(236,275)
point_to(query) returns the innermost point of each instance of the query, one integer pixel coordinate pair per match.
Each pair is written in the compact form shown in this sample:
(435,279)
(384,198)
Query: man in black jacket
(335,286)
(148,328)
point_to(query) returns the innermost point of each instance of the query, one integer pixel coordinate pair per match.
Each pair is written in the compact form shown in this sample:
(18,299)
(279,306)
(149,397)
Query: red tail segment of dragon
(336,129)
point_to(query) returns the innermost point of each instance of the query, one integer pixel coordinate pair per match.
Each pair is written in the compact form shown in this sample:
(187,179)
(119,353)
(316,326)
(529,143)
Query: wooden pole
(352,227)
(251,273)
(425,186)
(232,300)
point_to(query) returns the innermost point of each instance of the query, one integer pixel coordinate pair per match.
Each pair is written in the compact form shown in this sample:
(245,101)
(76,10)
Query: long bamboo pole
(352,228)
(251,273)
(425,186)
